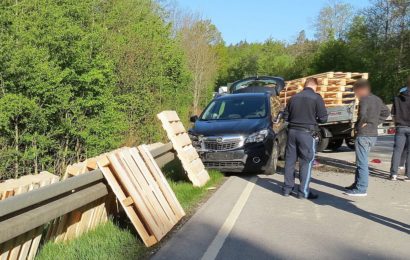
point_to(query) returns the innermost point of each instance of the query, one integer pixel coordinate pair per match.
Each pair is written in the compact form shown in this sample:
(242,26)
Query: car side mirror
(193,119)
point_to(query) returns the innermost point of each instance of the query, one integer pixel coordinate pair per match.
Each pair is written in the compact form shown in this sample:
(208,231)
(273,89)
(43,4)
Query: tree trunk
(16,147)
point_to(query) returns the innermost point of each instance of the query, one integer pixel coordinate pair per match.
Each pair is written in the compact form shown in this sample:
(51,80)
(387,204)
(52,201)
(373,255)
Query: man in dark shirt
(401,116)
(372,112)
(303,112)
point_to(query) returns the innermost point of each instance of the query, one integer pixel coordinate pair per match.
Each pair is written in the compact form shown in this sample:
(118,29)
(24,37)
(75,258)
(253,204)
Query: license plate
(222,156)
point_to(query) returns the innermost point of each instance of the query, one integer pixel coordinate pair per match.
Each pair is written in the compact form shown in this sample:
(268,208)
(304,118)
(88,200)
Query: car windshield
(254,83)
(236,108)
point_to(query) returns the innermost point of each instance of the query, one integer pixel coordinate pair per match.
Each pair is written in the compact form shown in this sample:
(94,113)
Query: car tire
(272,165)
(350,142)
(335,144)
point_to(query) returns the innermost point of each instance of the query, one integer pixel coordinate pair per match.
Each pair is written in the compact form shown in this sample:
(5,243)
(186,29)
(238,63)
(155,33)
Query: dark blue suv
(240,133)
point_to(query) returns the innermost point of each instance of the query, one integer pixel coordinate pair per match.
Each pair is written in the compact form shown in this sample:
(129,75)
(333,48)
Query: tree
(333,21)
(199,39)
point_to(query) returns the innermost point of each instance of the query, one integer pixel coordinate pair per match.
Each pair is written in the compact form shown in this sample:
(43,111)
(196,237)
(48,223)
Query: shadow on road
(326,199)
(351,167)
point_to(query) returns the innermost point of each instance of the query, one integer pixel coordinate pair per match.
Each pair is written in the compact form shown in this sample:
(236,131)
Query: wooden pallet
(24,246)
(336,88)
(142,191)
(182,144)
(84,219)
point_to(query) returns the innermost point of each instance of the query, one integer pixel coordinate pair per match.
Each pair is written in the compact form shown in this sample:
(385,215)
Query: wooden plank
(148,239)
(128,184)
(145,191)
(161,181)
(154,187)
(182,140)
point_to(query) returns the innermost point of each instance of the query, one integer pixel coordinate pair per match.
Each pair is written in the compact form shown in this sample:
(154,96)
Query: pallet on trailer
(182,144)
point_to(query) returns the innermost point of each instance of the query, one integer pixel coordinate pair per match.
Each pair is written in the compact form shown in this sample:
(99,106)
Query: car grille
(231,164)
(222,146)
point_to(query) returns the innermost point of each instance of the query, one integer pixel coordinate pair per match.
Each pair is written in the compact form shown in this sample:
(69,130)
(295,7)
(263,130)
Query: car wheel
(335,144)
(273,160)
(350,142)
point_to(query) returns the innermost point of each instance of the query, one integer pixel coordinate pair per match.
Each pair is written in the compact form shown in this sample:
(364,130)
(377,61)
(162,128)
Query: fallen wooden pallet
(336,88)
(84,219)
(26,245)
(142,191)
(188,155)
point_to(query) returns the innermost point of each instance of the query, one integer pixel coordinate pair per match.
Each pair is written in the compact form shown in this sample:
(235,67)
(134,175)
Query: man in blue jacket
(372,112)
(303,112)
(401,117)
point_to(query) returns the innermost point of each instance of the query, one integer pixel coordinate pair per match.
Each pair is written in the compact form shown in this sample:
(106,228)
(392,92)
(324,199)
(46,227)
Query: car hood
(229,127)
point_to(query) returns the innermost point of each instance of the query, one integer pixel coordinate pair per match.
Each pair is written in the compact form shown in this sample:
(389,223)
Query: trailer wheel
(323,143)
(335,144)
(350,142)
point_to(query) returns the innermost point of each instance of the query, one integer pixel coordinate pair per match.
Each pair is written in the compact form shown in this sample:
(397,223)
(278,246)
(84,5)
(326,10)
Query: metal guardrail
(27,211)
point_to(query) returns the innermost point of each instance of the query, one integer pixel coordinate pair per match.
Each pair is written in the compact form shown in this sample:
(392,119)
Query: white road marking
(227,226)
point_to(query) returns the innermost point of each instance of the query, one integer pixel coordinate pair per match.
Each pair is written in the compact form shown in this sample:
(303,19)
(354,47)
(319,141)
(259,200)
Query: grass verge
(109,241)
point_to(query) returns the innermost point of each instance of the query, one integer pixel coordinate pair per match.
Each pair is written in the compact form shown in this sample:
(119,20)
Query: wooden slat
(147,238)
(161,181)
(153,185)
(180,142)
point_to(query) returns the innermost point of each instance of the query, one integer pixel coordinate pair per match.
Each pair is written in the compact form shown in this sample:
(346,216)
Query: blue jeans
(363,146)
(401,147)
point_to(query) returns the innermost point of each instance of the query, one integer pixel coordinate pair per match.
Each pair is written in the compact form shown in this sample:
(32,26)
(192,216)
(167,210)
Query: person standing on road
(303,112)
(401,117)
(372,111)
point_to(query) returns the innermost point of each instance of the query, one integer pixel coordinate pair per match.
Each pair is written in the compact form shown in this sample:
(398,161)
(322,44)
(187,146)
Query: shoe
(285,194)
(393,178)
(311,196)
(351,187)
(406,179)
(355,193)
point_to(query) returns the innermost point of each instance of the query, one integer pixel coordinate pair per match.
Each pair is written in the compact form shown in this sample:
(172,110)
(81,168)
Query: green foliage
(107,241)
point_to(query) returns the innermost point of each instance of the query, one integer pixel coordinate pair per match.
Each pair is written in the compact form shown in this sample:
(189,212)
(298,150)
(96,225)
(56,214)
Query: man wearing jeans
(401,116)
(372,111)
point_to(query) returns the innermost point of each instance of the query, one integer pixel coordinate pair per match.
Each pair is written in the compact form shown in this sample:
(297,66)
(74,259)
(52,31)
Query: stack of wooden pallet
(82,220)
(183,146)
(139,186)
(336,88)
(24,246)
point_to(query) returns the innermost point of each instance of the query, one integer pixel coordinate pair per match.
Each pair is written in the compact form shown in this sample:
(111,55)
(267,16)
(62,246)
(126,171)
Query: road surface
(247,218)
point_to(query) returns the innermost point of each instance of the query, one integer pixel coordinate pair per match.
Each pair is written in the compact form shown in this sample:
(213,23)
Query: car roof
(241,95)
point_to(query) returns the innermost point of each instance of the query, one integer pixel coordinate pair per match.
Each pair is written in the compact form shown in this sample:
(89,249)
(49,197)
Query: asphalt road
(247,218)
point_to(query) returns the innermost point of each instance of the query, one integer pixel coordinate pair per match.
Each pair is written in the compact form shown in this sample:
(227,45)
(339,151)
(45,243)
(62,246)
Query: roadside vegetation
(79,78)
(112,241)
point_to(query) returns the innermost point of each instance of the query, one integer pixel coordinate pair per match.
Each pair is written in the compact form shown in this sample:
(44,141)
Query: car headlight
(257,137)
(196,142)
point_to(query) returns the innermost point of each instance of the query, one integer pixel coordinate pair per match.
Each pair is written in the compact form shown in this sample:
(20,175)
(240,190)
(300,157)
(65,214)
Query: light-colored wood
(161,181)
(181,143)
(147,238)
(153,185)
(143,209)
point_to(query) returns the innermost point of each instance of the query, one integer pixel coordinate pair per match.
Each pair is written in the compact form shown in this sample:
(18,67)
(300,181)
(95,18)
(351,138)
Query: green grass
(109,241)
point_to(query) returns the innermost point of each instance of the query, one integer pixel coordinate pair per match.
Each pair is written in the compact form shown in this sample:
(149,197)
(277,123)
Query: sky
(257,20)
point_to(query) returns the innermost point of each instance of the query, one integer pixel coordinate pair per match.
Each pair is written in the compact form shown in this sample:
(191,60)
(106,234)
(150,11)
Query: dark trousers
(301,145)
(401,138)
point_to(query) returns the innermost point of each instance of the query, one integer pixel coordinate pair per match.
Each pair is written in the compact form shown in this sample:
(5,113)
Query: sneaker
(311,196)
(355,193)
(406,179)
(351,187)
(393,178)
